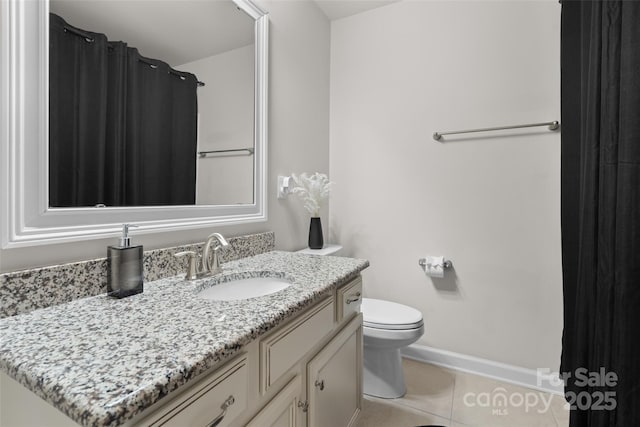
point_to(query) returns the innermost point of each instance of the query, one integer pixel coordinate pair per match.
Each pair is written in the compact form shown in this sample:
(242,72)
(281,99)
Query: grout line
(553,415)
(453,395)
(559,423)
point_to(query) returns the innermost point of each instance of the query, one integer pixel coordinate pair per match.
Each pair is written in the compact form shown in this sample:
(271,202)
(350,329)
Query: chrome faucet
(212,266)
(206,266)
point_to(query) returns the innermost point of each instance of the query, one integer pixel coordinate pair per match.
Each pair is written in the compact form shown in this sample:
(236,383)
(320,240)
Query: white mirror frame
(27,219)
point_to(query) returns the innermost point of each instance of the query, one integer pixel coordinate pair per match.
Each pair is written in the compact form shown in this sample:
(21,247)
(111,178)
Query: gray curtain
(601,209)
(123,128)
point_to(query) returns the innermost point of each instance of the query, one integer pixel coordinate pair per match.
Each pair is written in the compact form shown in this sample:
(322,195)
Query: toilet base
(382,372)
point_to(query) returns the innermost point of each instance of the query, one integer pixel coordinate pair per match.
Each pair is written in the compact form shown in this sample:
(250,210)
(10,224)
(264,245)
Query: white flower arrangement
(313,190)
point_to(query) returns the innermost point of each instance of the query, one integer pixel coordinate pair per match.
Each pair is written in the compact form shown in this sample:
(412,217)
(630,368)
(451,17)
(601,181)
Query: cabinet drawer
(224,397)
(348,299)
(286,346)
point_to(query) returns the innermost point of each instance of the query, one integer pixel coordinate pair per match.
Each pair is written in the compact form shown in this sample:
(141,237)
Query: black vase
(315,234)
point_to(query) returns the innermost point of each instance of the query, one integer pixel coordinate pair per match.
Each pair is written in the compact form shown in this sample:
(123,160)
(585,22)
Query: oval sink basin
(239,289)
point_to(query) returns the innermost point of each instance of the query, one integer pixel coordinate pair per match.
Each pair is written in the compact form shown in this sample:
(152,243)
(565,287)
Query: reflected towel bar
(249,151)
(555,125)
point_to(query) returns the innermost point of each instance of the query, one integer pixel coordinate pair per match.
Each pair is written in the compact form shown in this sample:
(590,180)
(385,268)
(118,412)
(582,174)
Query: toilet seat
(380,314)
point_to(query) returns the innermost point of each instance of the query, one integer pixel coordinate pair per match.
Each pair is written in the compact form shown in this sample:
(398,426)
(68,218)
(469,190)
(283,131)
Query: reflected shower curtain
(123,128)
(115,158)
(77,116)
(161,109)
(601,211)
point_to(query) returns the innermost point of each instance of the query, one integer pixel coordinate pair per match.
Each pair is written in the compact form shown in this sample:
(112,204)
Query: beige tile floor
(444,397)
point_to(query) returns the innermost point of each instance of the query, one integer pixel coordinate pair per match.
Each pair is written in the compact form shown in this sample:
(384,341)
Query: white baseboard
(487,368)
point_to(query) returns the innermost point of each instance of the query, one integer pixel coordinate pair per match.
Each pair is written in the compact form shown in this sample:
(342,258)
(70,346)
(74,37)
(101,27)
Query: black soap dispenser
(124,267)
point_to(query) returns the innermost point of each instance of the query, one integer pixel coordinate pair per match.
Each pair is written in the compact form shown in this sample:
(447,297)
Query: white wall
(298,138)
(226,117)
(489,203)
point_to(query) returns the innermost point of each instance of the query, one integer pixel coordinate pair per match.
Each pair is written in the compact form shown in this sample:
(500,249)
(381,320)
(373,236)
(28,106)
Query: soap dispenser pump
(124,267)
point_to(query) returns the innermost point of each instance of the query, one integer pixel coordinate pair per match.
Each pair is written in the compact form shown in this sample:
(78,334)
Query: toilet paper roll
(434,266)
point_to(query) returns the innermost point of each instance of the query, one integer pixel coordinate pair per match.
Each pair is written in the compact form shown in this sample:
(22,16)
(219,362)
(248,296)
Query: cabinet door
(334,379)
(285,346)
(282,410)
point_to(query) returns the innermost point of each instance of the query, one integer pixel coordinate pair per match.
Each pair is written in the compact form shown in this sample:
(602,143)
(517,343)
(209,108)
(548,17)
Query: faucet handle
(214,265)
(192,264)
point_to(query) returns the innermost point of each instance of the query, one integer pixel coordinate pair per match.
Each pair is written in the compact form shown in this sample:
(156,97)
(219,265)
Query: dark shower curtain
(162,109)
(77,116)
(601,210)
(123,128)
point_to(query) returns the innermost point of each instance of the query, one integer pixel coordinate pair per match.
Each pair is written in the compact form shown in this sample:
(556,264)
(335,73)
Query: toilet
(387,328)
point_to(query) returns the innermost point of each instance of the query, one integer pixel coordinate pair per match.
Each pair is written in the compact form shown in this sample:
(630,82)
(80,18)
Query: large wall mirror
(145,111)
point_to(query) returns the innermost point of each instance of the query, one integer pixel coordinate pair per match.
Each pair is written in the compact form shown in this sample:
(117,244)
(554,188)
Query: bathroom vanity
(168,357)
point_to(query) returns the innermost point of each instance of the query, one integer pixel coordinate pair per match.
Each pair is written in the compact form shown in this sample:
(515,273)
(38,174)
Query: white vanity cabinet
(306,372)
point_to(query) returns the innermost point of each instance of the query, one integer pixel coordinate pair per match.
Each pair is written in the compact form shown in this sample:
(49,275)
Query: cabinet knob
(304,406)
(320,384)
(217,420)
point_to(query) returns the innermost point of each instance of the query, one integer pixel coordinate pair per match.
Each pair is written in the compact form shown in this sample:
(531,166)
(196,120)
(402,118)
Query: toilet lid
(382,314)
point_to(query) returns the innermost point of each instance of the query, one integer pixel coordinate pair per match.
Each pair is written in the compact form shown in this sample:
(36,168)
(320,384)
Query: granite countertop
(102,361)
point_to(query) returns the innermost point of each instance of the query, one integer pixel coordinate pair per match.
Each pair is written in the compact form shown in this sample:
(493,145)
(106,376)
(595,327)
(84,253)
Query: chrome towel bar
(555,125)
(249,152)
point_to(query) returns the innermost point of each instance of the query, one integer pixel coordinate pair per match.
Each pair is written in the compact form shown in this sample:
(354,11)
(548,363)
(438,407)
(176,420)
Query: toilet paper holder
(422,262)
